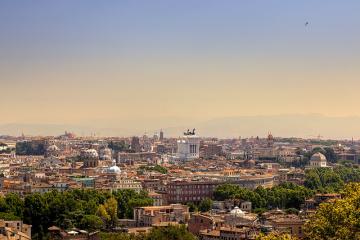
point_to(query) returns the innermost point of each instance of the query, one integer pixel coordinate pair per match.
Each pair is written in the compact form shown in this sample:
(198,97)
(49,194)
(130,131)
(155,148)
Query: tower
(161,135)
(270,140)
(135,144)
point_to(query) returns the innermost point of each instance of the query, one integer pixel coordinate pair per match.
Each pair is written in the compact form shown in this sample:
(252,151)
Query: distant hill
(307,126)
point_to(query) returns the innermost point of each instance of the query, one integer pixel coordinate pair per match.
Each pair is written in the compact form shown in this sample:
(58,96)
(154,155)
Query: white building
(318,160)
(188,146)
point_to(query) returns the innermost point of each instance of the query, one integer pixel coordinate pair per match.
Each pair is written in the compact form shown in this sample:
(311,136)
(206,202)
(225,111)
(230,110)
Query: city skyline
(311,126)
(183,120)
(164,64)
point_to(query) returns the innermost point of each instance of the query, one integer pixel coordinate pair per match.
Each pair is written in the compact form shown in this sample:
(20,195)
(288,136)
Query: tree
(68,209)
(156,168)
(160,169)
(292,211)
(90,207)
(331,180)
(330,155)
(35,213)
(103,214)
(9,216)
(91,222)
(111,207)
(120,236)
(129,199)
(275,236)
(313,180)
(286,195)
(108,212)
(118,146)
(192,207)
(205,205)
(35,147)
(14,204)
(171,232)
(339,219)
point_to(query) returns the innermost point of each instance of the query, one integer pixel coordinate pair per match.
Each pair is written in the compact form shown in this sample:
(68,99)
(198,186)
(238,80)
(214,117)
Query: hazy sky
(167,61)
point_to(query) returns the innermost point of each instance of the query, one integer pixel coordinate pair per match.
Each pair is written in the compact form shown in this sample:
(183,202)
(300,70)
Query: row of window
(192,186)
(190,192)
(178,198)
(193,148)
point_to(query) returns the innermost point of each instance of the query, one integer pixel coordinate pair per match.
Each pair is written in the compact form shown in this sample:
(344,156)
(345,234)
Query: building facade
(190,191)
(188,146)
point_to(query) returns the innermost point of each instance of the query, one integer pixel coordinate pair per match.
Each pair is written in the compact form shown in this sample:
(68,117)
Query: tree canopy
(171,232)
(156,168)
(339,219)
(275,236)
(331,180)
(205,205)
(119,146)
(287,195)
(36,147)
(85,209)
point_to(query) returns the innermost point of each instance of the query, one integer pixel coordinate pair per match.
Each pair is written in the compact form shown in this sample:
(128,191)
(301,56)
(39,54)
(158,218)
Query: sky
(164,63)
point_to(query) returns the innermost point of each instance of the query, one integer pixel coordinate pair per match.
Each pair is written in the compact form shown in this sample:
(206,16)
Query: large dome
(114,168)
(318,157)
(90,154)
(105,153)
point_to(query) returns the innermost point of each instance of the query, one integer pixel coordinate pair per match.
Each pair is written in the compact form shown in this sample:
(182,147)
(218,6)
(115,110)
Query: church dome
(105,154)
(90,154)
(52,148)
(114,168)
(237,212)
(318,157)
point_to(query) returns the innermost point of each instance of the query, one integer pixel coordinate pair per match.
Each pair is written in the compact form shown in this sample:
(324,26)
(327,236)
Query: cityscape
(179,120)
(71,187)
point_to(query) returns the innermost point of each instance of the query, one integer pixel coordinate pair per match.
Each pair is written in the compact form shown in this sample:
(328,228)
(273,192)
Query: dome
(318,157)
(90,153)
(106,151)
(237,212)
(105,154)
(114,168)
(52,148)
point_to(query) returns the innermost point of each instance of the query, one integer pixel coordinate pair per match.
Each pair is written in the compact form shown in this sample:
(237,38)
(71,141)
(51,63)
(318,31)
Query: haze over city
(133,67)
(182,120)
